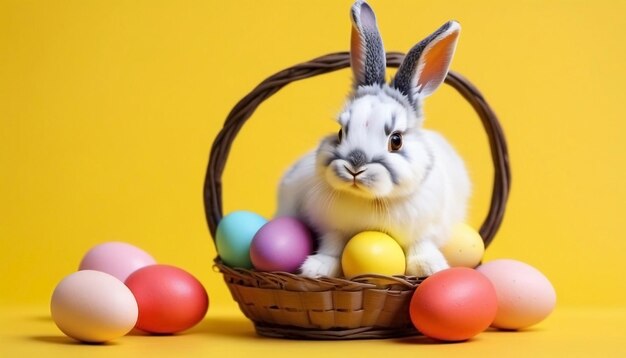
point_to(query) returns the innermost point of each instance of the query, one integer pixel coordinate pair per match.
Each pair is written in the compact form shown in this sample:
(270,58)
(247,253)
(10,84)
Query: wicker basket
(289,306)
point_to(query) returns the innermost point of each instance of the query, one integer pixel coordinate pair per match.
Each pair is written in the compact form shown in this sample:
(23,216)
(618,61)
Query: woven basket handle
(333,62)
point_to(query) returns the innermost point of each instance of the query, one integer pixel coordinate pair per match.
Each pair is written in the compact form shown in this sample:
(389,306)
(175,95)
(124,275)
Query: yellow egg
(465,247)
(372,252)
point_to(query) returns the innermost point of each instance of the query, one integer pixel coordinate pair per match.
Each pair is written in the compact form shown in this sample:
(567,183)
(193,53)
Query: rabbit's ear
(367,55)
(426,65)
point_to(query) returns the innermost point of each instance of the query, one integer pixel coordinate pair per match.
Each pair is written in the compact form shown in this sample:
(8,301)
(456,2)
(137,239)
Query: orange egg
(454,304)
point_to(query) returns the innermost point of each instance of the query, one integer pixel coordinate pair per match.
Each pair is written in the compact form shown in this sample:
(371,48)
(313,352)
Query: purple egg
(281,245)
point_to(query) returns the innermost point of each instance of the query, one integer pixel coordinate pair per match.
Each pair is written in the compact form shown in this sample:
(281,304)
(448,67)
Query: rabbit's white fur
(357,182)
(418,213)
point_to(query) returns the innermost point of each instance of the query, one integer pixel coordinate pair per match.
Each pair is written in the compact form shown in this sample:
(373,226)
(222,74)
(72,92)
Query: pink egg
(525,295)
(281,245)
(116,258)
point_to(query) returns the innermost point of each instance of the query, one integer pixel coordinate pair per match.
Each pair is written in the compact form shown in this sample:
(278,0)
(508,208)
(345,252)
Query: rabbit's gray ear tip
(367,9)
(453,25)
(365,6)
(358,6)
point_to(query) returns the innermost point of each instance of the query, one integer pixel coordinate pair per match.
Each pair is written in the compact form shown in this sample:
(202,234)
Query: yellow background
(108,110)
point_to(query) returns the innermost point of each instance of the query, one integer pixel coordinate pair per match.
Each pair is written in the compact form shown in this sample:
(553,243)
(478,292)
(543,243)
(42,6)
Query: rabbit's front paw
(425,265)
(321,265)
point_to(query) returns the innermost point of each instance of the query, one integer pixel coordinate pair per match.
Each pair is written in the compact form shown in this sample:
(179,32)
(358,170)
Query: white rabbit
(382,171)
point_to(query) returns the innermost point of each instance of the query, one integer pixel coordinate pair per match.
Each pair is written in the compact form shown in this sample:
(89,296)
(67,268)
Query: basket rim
(244,109)
(287,281)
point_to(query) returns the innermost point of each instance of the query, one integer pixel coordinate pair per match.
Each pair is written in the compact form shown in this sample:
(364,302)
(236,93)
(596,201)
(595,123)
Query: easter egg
(372,252)
(281,245)
(119,259)
(525,295)
(234,236)
(465,248)
(454,304)
(170,299)
(93,306)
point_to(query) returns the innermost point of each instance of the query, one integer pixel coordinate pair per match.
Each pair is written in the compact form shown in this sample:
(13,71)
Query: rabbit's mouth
(365,181)
(355,175)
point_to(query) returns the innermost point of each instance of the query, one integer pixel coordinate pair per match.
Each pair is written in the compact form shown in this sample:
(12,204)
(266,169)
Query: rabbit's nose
(357,158)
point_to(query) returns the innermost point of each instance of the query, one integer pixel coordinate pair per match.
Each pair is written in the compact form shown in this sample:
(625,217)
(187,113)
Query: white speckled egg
(93,306)
(525,295)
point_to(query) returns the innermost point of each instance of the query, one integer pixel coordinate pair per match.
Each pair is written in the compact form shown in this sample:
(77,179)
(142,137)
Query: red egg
(454,304)
(170,299)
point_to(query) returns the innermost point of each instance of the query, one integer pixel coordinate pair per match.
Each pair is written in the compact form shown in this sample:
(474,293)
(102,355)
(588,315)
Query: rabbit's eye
(340,135)
(395,141)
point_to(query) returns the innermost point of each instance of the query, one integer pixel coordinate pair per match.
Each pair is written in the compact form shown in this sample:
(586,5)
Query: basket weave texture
(285,305)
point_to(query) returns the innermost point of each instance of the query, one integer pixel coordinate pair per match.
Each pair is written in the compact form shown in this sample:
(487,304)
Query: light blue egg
(234,235)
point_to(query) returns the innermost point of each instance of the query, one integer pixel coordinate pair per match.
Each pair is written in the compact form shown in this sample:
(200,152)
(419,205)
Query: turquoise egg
(234,235)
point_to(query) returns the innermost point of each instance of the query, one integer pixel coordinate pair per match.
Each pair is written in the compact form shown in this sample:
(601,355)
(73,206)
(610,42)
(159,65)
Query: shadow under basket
(285,305)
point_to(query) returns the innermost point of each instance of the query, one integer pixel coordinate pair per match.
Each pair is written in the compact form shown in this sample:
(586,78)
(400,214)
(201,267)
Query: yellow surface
(108,110)
(28,332)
